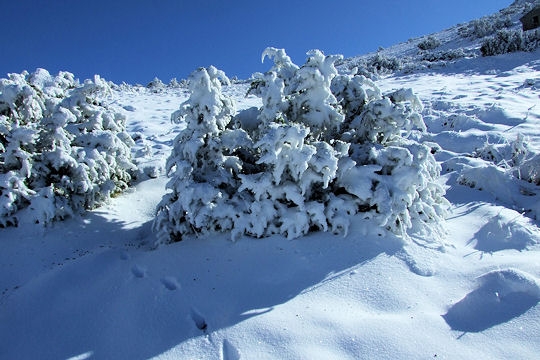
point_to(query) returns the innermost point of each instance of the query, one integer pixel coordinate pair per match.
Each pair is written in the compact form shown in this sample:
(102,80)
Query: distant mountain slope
(436,50)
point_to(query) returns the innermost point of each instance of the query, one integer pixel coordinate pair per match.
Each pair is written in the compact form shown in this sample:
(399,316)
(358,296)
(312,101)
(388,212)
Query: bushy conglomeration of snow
(61,150)
(323,148)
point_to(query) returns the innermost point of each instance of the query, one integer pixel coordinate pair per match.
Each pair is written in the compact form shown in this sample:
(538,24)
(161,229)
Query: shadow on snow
(502,296)
(124,302)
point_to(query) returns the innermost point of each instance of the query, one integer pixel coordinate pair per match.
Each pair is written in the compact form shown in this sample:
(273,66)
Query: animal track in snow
(138,271)
(229,351)
(199,320)
(170,283)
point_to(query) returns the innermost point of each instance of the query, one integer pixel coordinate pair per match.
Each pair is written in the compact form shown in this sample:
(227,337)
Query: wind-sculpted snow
(322,149)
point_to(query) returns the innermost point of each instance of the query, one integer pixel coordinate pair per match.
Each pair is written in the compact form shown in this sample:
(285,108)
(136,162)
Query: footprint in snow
(170,283)
(199,320)
(229,351)
(138,271)
(502,296)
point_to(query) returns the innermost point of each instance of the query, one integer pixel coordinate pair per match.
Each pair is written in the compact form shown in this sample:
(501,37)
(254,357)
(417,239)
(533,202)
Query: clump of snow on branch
(322,149)
(61,150)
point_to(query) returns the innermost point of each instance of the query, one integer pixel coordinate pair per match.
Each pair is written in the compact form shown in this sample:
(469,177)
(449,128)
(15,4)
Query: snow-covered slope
(94,288)
(435,51)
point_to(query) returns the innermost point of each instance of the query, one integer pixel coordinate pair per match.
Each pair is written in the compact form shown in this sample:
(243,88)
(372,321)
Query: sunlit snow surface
(92,288)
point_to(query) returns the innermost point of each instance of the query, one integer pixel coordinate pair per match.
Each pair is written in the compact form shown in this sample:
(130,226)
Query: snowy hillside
(435,51)
(94,286)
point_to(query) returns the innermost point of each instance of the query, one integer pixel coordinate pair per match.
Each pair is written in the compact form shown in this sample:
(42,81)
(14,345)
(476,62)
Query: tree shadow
(121,300)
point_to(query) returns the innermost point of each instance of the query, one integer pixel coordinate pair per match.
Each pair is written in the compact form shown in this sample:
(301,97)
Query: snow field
(94,287)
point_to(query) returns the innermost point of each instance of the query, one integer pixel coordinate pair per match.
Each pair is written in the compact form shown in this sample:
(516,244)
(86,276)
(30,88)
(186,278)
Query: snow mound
(501,296)
(507,229)
(504,186)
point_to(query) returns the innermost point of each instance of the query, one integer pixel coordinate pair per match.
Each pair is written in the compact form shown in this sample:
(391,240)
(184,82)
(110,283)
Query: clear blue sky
(136,40)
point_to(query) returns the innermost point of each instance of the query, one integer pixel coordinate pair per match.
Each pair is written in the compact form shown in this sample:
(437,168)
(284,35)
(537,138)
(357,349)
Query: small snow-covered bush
(479,28)
(156,85)
(508,41)
(502,184)
(61,150)
(446,55)
(531,40)
(372,67)
(504,41)
(323,148)
(529,169)
(175,84)
(429,43)
(382,64)
(516,157)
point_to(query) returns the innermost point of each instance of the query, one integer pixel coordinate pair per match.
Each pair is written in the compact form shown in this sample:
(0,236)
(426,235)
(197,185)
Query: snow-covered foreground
(93,287)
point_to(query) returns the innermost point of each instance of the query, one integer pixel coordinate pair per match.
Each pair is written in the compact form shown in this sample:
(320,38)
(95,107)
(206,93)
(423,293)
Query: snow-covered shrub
(382,64)
(508,41)
(322,148)
(503,185)
(429,43)
(175,84)
(200,164)
(480,28)
(529,169)
(373,66)
(516,157)
(531,40)
(504,41)
(156,85)
(58,143)
(386,119)
(445,55)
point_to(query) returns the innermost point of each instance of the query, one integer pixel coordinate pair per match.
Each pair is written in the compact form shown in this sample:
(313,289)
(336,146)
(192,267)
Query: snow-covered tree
(322,148)
(61,150)
(201,166)
(429,43)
